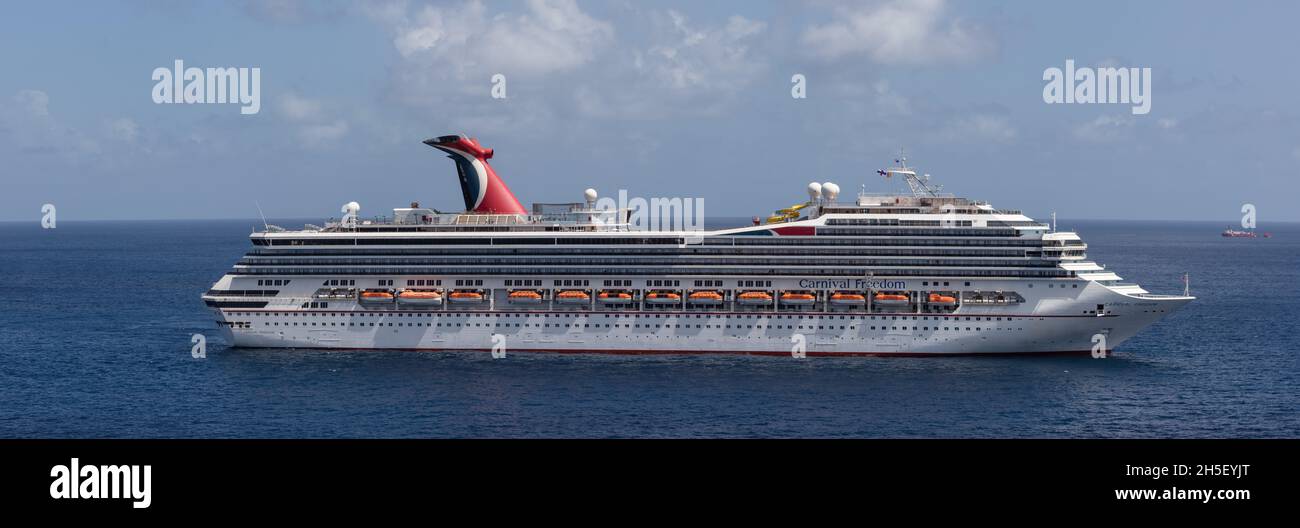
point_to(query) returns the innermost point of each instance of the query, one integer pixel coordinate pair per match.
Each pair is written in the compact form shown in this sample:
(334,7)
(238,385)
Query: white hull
(692,332)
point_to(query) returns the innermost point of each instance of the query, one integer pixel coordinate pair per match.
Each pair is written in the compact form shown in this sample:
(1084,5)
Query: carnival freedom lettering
(855,284)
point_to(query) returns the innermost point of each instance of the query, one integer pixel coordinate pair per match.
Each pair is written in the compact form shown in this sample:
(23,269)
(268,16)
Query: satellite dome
(814,190)
(830,190)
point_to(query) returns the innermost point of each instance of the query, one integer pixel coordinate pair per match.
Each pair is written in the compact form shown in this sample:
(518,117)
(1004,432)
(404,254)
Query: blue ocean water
(96,320)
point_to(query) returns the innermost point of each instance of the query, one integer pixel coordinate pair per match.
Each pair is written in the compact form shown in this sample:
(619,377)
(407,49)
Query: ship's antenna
(259,213)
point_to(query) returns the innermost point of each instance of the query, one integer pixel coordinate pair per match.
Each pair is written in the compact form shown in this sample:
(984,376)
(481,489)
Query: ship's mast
(920,185)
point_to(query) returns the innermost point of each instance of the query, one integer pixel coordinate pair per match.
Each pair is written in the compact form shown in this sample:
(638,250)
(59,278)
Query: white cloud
(31,127)
(319,135)
(890,102)
(1106,128)
(32,103)
(898,32)
(551,36)
(705,59)
(298,108)
(124,129)
(981,127)
(684,65)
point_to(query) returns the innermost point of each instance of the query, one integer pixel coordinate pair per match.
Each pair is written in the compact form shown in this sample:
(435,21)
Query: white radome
(814,190)
(830,190)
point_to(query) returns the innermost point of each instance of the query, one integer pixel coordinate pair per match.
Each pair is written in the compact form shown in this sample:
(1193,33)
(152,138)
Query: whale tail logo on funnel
(484,191)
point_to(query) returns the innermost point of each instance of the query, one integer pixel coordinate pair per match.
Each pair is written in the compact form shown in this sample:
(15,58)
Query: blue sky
(672,98)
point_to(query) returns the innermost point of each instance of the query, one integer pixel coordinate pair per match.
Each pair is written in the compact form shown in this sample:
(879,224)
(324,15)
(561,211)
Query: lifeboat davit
(614,297)
(376,297)
(890,299)
(465,297)
(663,298)
(848,299)
(754,298)
(572,297)
(798,298)
(704,297)
(525,297)
(941,300)
(419,298)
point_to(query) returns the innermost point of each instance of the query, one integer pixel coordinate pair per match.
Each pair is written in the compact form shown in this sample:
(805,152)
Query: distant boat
(1232,233)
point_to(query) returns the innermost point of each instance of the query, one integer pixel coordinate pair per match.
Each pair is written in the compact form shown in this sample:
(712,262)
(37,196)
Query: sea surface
(96,320)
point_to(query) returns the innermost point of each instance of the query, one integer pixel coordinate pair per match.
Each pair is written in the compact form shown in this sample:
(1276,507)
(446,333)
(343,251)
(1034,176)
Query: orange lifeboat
(942,300)
(754,298)
(661,297)
(465,296)
(890,299)
(524,297)
(798,298)
(614,297)
(374,297)
(848,299)
(419,297)
(572,297)
(704,297)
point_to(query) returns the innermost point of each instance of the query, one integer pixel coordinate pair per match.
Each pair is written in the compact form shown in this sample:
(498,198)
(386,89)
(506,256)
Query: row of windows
(618,282)
(924,247)
(458,241)
(427,315)
(469,282)
(867,231)
(894,222)
(572,282)
(708,283)
(426,282)
(244,293)
(339,282)
(836,272)
(273,282)
(630,260)
(607,325)
(527,282)
(737,240)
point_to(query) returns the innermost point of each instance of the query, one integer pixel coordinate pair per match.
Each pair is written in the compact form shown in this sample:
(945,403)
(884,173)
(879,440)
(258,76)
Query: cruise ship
(916,273)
